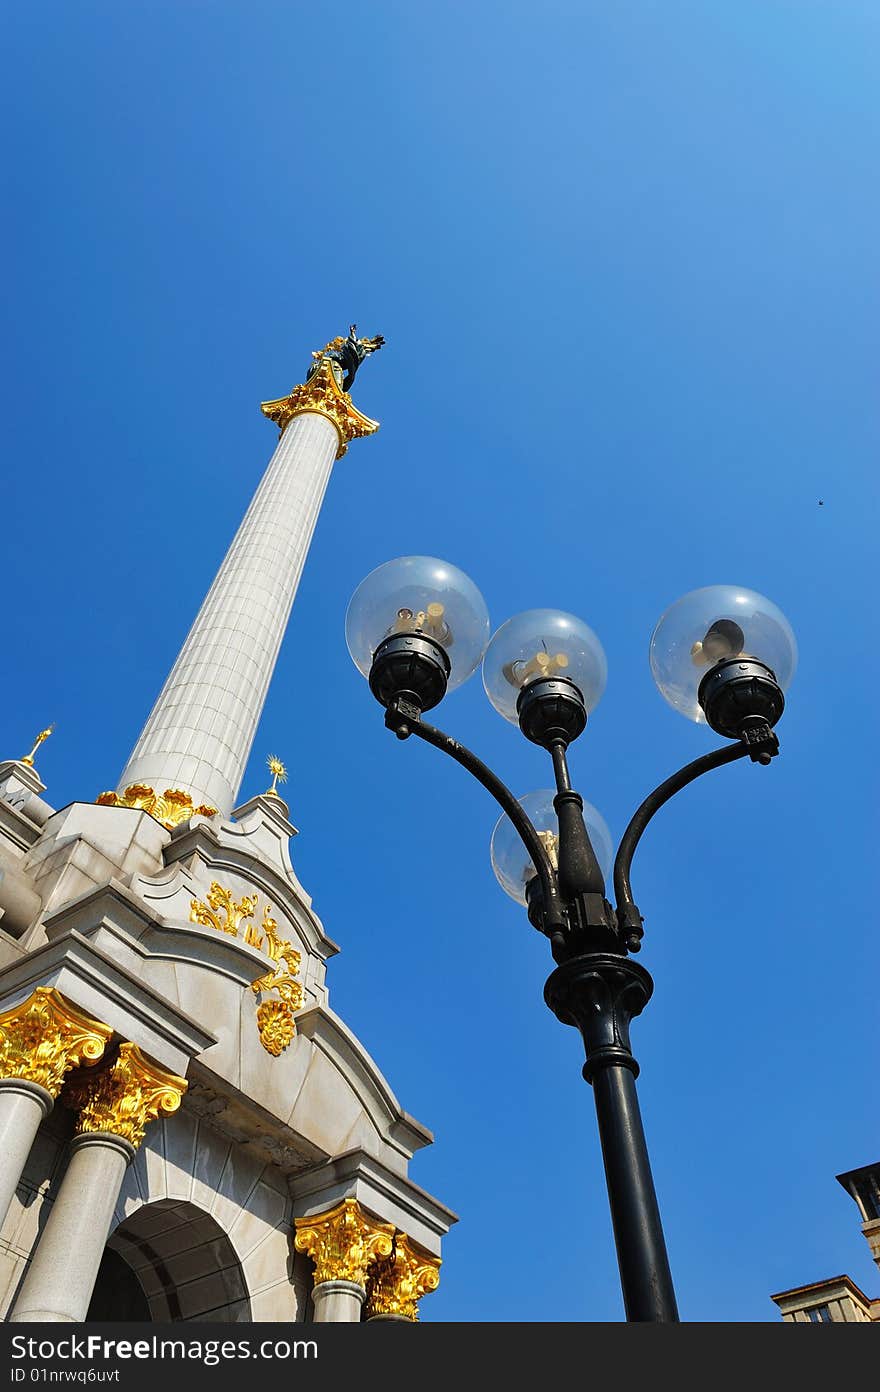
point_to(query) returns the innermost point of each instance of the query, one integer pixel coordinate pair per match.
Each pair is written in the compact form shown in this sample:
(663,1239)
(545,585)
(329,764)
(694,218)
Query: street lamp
(417,627)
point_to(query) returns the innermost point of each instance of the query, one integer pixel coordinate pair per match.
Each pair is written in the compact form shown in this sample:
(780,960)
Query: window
(819,1314)
(868,1192)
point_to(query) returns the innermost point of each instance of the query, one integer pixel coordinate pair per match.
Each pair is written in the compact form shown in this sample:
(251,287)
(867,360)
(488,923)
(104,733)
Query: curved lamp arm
(628,916)
(554,913)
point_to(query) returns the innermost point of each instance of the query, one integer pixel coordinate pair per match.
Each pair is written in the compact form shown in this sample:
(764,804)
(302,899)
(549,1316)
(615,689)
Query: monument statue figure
(345,356)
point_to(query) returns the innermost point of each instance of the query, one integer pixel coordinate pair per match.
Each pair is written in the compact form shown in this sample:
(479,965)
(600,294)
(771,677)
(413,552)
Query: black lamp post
(416,627)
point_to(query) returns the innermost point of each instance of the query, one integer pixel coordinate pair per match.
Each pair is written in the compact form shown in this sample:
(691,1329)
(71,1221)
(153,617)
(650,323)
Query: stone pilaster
(398,1281)
(41,1039)
(115,1106)
(344,1244)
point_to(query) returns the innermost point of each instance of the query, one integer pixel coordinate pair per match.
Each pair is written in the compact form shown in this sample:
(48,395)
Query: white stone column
(61,1277)
(199,734)
(338,1302)
(114,1106)
(345,1243)
(23,1105)
(42,1039)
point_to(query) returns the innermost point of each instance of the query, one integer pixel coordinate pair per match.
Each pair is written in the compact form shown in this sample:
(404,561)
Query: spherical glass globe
(419,595)
(709,625)
(511,861)
(542,643)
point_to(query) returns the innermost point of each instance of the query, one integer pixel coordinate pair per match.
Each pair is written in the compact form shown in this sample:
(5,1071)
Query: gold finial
(279,775)
(43,735)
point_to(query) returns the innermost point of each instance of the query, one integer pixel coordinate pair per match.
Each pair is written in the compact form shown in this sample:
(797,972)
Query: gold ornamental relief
(275,1017)
(219,910)
(344,1243)
(45,1036)
(171,808)
(124,1098)
(398,1282)
(323,395)
(284,993)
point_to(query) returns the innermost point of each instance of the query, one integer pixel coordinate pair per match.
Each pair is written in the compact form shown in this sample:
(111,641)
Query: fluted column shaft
(199,734)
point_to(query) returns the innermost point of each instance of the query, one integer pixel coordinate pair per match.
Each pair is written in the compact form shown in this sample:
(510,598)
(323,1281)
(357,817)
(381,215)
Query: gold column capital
(323,395)
(398,1283)
(45,1036)
(125,1097)
(344,1242)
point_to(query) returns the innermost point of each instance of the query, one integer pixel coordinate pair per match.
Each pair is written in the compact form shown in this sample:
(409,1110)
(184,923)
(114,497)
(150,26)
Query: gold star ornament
(279,775)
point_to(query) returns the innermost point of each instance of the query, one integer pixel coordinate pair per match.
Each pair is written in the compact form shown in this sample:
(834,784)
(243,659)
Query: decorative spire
(279,775)
(43,735)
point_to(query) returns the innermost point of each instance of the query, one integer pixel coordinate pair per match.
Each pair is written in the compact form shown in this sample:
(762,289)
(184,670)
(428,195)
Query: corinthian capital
(343,1243)
(398,1283)
(125,1097)
(45,1036)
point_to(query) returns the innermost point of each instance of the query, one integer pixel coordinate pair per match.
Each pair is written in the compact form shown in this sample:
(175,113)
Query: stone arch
(170,1261)
(186,1161)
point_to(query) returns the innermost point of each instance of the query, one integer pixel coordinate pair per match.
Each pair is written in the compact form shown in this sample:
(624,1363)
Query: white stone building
(187,1130)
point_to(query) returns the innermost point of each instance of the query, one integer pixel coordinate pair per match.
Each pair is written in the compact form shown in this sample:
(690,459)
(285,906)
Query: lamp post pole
(413,628)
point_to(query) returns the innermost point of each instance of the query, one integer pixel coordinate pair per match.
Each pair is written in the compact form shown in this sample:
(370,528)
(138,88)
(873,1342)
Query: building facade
(838,1300)
(187,1129)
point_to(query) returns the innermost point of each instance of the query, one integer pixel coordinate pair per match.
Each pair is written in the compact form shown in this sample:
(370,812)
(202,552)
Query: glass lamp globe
(542,644)
(420,596)
(511,861)
(713,625)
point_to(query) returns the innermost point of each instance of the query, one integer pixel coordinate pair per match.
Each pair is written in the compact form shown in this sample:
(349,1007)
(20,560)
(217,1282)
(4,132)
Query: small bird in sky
(821,502)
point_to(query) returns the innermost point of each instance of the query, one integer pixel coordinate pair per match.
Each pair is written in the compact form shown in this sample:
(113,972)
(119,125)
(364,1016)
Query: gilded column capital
(323,395)
(125,1097)
(398,1282)
(343,1243)
(45,1036)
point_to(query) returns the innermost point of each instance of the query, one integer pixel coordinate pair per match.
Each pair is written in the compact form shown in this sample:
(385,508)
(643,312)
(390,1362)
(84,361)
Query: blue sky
(624,257)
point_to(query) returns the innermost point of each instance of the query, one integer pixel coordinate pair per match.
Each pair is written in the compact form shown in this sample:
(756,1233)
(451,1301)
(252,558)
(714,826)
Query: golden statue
(43,735)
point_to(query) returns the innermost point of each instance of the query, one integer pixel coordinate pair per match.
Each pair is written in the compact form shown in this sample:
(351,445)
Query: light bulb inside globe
(545,670)
(511,862)
(724,655)
(416,627)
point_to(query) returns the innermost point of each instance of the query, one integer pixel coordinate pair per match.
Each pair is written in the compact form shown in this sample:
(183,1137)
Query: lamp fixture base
(551,711)
(409,667)
(741,699)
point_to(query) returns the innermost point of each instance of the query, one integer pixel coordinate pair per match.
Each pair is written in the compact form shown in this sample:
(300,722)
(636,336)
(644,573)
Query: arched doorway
(170,1261)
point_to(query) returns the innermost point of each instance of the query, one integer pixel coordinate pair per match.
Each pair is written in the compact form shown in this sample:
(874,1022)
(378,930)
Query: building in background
(838,1299)
(188,1130)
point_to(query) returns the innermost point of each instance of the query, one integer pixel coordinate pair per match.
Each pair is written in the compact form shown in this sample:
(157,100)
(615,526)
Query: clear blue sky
(625,258)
